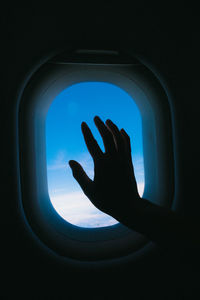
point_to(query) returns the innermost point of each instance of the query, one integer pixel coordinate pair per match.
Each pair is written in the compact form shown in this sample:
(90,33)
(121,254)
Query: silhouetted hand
(114,189)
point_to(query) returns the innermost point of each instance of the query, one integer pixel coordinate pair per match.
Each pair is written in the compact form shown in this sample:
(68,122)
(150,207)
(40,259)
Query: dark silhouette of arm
(114,190)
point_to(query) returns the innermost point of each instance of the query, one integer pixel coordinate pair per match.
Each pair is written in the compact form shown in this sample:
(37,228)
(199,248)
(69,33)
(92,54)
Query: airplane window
(64,141)
(59,95)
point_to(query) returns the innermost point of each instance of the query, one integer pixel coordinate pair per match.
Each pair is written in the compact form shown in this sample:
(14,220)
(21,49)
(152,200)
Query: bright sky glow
(64,141)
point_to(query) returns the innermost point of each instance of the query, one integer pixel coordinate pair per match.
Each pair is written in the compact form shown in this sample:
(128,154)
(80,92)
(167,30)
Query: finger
(127,142)
(90,141)
(106,135)
(117,136)
(81,177)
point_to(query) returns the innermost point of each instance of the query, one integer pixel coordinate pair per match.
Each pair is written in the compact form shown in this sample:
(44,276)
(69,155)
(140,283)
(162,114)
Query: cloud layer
(77,209)
(60,162)
(69,200)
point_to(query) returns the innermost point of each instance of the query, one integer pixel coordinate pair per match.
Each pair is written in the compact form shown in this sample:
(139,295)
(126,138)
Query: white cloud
(60,162)
(71,201)
(138,164)
(95,220)
(77,209)
(140,186)
(87,163)
(56,191)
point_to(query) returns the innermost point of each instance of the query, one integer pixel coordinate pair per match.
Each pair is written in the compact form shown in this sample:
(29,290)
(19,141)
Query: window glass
(64,141)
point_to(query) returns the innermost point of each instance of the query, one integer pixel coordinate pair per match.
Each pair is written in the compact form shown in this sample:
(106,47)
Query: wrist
(138,213)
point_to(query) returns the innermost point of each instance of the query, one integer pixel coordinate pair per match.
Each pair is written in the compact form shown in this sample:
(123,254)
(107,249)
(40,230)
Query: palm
(114,188)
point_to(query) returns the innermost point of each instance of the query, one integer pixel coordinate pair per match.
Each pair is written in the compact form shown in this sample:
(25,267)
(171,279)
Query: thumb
(81,177)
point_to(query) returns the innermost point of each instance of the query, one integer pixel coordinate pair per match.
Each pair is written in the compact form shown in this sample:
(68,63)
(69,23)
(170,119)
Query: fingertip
(96,119)
(72,163)
(124,132)
(83,124)
(108,122)
(84,127)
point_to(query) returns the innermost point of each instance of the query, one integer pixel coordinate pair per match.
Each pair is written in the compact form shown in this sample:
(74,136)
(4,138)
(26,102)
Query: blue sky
(64,141)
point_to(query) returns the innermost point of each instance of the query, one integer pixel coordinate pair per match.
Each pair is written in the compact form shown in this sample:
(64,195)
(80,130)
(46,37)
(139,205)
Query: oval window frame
(65,239)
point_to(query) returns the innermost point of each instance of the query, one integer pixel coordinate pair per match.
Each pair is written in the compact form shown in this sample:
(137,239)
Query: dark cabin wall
(167,37)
